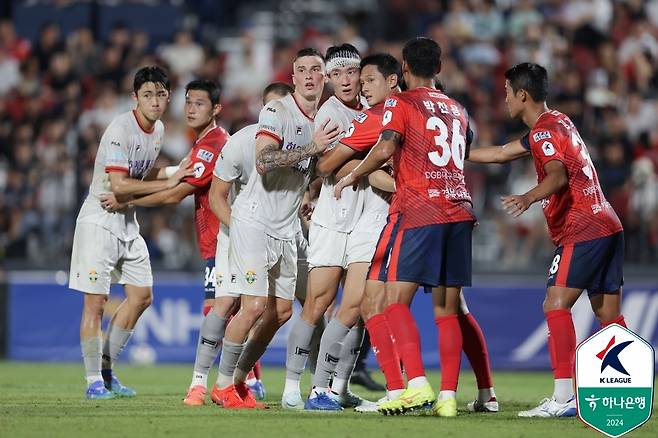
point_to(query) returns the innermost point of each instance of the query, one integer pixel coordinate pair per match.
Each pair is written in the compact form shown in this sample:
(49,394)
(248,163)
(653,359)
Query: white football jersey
(273,200)
(237,161)
(124,147)
(337,214)
(375,210)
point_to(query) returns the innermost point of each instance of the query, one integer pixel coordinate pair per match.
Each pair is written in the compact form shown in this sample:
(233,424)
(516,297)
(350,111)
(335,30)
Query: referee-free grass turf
(47,400)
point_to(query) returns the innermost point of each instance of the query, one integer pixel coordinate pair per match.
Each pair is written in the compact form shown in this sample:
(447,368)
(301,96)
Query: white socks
(563,390)
(417,382)
(292,385)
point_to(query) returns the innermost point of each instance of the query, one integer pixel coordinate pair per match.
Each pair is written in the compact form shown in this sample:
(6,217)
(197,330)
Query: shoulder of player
(547,128)
(277,107)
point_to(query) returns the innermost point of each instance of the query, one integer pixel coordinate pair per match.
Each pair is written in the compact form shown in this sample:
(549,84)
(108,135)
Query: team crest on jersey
(199,168)
(390,103)
(219,278)
(548,148)
(205,155)
(250,277)
(542,135)
(93,276)
(361,117)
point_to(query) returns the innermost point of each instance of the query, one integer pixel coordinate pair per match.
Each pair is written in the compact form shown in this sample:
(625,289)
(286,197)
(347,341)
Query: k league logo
(614,380)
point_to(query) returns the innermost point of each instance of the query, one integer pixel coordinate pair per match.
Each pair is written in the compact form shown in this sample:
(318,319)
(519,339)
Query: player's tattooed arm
(270,156)
(497,154)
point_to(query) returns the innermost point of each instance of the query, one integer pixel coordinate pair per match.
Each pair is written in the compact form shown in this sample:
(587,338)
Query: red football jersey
(429,164)
(579,212)
(363,134)
(204,155)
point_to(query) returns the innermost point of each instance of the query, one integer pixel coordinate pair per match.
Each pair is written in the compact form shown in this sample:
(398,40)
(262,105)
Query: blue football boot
(322,402)
(98,391)
(113,384)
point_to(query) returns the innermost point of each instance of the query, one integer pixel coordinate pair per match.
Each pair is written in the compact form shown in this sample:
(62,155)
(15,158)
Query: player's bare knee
(94,304)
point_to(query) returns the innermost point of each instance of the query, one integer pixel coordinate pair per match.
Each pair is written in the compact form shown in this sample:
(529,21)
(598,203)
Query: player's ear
(217,109)
(392,81)
(134,96)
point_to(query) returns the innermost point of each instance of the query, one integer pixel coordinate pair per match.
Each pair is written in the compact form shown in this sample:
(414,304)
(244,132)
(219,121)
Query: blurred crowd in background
(61,85)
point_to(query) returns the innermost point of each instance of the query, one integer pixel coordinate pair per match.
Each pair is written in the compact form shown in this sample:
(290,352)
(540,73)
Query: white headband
(343,58)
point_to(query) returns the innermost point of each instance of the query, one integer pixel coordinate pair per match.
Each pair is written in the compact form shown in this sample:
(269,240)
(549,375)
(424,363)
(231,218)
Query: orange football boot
(196,396)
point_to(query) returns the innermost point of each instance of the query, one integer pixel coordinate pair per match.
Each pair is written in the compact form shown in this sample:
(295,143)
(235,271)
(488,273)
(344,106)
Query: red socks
(476,351)
(406,337)
(561,342)
(385,352)
(618,320)
(450,350)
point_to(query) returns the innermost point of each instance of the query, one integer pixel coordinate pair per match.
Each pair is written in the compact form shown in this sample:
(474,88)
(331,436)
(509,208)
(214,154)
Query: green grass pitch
(46,400)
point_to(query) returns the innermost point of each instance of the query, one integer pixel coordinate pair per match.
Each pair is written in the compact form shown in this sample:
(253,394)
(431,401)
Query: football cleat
(196,396)
(549,407)
(292,400)
(227,397)
(410,399)
(369,406)
(349,399)
(445,408)
(98,391)
(258,390)
(479,406)
(248,398)
(113,384)
(322,402)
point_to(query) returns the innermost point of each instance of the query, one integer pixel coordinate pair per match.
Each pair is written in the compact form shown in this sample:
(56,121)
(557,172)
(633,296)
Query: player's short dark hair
(386,64)
(530,77)
(308,51)
(212,88)
(280,88)
(335,51)
(423,56)
(151,73)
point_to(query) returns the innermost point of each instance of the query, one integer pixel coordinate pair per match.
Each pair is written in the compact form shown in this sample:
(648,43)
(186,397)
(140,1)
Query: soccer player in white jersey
(107,246)
(333,250)
(263,224)
(231,173)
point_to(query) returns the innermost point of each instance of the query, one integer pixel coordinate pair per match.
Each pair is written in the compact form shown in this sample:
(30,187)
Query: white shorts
(334,248)
(302,266)
(222,271)
(260,264)
(99,258)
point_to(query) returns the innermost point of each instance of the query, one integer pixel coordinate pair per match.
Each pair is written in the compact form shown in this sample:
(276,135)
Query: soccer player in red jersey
(582,224)
(427,240)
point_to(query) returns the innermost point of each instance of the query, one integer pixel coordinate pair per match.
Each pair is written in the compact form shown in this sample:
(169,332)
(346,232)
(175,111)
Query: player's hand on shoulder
(515,205)
(110,203)
(185,169)
(326,134)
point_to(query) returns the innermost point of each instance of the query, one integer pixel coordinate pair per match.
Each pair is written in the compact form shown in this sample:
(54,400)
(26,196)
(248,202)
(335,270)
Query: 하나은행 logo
(614,380)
